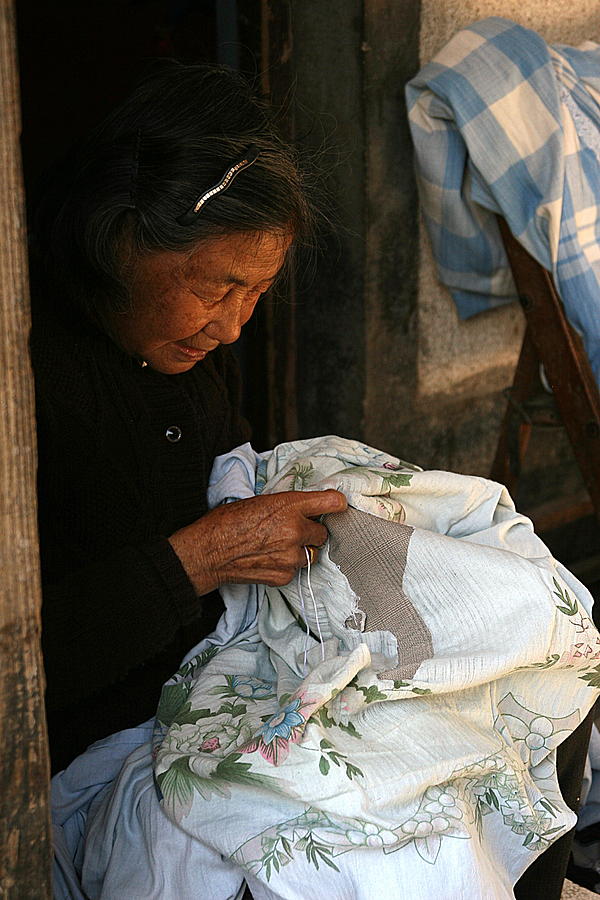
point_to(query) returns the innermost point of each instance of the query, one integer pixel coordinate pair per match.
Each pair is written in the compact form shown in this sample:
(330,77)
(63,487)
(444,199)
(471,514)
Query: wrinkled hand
(256,541)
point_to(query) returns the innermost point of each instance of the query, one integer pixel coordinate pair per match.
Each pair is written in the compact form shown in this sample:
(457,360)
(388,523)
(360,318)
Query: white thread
(303,609)
(307,635)
(314,602)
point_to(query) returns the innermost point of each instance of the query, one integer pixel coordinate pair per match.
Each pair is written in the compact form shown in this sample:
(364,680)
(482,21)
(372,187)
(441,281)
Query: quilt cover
(314,755)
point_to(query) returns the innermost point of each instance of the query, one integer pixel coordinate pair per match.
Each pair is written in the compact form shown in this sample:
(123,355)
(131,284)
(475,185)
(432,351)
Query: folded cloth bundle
(385,726)
(371,553)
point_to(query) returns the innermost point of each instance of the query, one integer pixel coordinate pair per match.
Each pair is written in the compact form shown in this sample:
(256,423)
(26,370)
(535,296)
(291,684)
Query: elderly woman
(152,247)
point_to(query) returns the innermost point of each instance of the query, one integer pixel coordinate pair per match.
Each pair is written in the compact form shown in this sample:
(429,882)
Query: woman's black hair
(121,192)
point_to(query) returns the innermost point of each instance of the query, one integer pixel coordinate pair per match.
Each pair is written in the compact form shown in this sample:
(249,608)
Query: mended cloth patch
(371,552)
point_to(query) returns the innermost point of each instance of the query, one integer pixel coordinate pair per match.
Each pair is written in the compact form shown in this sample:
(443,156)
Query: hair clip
(232,172)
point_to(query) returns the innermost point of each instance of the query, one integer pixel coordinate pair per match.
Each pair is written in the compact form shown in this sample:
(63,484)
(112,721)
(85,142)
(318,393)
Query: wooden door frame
(24,771)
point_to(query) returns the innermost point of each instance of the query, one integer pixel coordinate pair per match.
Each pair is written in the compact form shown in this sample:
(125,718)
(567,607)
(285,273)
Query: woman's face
(183,305)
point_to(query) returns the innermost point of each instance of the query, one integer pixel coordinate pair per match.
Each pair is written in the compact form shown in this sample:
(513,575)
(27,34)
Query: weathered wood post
(24,769)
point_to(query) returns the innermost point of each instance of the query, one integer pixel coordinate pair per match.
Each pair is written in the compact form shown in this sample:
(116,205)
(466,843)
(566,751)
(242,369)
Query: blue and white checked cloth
(503,123)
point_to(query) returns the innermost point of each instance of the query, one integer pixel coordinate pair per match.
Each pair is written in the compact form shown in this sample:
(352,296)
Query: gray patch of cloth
(371,553)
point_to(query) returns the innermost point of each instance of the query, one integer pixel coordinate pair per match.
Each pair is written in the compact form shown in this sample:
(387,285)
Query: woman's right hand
(256,541)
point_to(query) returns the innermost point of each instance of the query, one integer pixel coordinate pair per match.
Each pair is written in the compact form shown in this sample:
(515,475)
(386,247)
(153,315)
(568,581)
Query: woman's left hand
(260,540)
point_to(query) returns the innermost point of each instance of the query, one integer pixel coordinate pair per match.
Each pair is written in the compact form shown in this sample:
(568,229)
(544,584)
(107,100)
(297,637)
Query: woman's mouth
(190,352)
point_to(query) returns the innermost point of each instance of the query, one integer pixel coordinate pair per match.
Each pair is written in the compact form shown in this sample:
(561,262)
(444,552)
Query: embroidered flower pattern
(283,728)
(439,814)
(184,739)
(300,476)
(281,724)
(533,736)
(583,650)
(203,744)
(371,836)
(255,688)
(245,687)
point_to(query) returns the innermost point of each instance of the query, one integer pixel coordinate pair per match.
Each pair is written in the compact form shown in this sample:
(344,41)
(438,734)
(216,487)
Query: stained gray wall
(356,340)
(376,348)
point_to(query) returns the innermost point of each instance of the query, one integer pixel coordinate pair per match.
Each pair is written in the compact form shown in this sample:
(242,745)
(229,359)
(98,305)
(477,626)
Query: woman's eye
(249,294)
(261,289)
(208,300)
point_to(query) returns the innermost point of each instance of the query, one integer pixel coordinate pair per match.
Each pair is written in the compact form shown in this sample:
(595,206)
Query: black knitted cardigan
(118,609)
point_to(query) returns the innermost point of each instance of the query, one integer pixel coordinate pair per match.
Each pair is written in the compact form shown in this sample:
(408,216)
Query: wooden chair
(575,400)
(575,404)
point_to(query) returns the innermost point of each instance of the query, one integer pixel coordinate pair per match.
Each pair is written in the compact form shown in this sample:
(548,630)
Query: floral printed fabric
(424,780)
(290,759)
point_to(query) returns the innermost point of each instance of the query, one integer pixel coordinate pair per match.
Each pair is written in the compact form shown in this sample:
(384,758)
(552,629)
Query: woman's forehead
(243,258)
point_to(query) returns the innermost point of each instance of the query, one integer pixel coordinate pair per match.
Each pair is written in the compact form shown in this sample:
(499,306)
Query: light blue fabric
(73,793)
(504,124)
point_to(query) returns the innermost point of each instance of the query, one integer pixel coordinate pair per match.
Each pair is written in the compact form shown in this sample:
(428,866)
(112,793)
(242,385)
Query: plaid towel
(503,123)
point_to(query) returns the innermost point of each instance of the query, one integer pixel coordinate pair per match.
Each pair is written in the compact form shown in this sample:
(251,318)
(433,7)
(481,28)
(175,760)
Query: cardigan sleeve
(119,611)
(109,617)
(115,594)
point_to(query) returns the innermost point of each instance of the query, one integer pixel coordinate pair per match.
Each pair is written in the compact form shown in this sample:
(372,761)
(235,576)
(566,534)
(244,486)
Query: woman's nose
(226,324)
